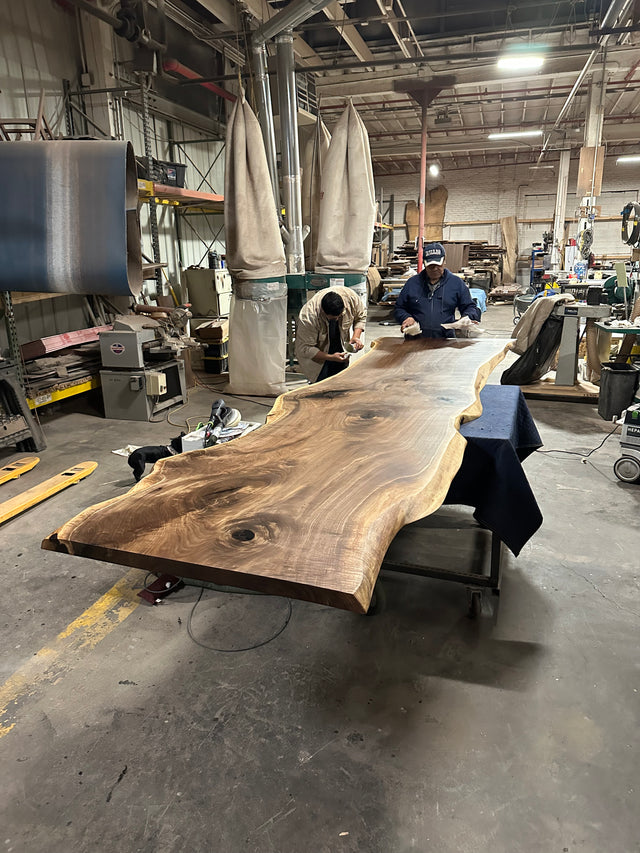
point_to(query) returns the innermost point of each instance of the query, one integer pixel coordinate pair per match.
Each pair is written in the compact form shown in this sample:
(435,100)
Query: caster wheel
(627,469)
(475,603)
(378,599)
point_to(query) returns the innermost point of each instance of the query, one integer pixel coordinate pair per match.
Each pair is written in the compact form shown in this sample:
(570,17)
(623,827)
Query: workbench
(492,481)
(618,330)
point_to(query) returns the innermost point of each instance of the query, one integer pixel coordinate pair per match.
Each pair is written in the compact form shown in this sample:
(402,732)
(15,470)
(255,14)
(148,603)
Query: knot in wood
(243,534)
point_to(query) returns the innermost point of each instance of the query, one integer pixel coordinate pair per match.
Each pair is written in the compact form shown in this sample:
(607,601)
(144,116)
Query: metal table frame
(476,578)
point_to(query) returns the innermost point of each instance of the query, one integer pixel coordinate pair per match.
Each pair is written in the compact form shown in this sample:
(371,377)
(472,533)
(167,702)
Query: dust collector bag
(69,220)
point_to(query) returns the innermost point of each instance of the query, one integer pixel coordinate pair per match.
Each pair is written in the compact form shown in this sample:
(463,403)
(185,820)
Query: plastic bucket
(618,383)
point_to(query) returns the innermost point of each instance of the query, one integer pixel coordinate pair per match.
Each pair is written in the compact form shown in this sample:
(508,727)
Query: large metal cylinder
(69,219)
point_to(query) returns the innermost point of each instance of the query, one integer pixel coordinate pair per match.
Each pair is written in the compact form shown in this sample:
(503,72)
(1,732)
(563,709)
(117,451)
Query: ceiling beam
(386,9)
(333,85)
(613,132)
(228,13)
(224,11)
(335,12)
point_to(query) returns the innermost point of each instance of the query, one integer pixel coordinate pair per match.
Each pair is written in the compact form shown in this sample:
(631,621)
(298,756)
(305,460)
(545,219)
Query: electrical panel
(156,383)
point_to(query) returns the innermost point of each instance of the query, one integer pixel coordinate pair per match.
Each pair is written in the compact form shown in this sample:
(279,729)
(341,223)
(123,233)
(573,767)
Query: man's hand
(357,344)
(405,323)
(337,356)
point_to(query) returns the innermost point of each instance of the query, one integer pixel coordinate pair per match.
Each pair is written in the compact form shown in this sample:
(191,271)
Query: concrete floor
(413,729)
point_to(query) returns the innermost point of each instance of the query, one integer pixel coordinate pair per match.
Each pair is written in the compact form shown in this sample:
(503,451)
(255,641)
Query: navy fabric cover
(491,478)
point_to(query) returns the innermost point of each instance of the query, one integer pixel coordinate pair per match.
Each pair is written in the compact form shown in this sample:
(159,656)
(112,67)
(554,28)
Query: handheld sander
(221,416)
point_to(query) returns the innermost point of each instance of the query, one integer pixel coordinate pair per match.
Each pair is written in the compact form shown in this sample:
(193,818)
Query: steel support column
(561,205)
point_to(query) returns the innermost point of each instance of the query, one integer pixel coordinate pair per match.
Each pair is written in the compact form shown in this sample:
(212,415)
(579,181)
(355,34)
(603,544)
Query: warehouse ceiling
(366,50)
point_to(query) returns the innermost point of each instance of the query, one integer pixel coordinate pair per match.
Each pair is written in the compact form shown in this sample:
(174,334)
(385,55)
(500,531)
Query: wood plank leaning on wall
(509,227)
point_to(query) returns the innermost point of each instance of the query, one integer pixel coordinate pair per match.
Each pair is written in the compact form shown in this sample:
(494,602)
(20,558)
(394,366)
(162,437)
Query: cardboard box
(213,330)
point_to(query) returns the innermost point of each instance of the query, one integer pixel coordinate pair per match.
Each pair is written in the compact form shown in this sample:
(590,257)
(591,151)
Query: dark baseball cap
(433,253)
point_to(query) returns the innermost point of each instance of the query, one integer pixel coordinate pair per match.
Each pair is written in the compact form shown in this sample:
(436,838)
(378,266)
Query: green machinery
(300,286)
(615,293)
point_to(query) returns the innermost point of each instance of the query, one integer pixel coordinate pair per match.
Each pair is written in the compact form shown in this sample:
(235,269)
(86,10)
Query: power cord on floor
(235,396)
(164,417)
(245,648)
(577,452)
(179,409)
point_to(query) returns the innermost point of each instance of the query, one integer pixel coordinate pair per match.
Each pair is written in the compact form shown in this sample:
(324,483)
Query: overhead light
(434,170)
(629,158)
(514,134)
(521,62)
(442,117)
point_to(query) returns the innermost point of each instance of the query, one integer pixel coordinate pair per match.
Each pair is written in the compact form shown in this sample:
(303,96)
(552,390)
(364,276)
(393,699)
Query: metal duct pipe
(291,185)
(142,37)
(97,12)
(292,15)
(174,67)
(358,65)
(423,185)
(615,11)
(265,115)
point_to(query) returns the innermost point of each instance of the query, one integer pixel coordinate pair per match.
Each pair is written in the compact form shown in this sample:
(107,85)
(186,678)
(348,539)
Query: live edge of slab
(307,505)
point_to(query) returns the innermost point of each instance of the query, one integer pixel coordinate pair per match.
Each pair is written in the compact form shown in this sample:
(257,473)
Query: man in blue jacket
(431,297)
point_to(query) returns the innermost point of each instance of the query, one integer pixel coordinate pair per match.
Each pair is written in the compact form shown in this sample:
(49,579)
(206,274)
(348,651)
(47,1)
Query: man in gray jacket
(331,318)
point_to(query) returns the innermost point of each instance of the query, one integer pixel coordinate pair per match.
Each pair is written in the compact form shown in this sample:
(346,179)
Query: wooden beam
(335,12)
(225,11)
(307,505)
(389,12)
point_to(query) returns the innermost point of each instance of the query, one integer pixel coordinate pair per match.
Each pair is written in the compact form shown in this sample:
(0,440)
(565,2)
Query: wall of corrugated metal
(40,46)
(38,51)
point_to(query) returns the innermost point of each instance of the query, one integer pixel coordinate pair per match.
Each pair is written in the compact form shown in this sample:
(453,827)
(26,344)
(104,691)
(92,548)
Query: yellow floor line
(85,632)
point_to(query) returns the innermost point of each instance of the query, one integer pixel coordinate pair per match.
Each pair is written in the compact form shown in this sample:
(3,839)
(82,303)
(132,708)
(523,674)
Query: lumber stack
(484,268)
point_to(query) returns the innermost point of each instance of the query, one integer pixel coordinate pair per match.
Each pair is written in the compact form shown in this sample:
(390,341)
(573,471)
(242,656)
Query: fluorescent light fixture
(515,134)
(434,170)
(629,158)
(522,62)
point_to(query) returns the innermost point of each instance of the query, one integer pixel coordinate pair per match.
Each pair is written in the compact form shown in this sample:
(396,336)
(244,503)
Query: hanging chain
(153,216)
(12,336)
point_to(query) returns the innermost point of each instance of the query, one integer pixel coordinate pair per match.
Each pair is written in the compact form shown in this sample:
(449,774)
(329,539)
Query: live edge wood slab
(307,505)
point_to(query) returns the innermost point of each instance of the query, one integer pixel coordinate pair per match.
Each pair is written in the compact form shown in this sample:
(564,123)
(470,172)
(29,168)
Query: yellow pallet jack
(45,490)
(14,469)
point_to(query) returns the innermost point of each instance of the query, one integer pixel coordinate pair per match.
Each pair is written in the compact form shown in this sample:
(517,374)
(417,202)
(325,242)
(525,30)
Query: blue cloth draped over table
(491,478)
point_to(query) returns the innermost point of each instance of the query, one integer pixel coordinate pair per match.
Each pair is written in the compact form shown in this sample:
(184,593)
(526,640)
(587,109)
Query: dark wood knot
(243,535)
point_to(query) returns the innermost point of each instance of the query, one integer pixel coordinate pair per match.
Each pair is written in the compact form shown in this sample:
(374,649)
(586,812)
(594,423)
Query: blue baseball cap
(433,253)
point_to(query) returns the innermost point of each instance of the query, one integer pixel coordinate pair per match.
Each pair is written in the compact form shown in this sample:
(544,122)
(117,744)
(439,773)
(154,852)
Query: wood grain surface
(307,505)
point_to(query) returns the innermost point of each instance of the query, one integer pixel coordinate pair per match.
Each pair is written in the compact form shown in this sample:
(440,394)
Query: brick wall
(496,191)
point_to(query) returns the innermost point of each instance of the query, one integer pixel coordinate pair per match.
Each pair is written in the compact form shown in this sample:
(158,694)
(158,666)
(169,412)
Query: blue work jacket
(429,309)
